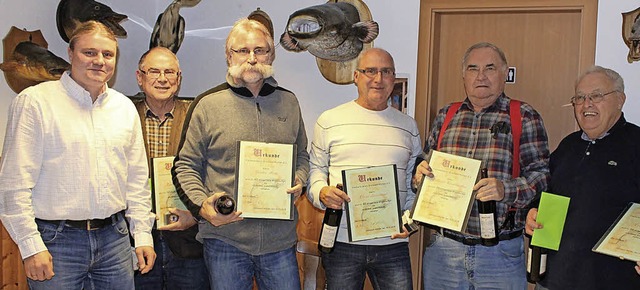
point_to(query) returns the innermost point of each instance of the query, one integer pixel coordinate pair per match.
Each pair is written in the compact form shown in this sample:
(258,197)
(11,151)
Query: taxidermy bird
(169,29)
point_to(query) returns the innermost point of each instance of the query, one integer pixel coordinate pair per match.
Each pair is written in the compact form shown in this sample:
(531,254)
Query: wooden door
(550,42)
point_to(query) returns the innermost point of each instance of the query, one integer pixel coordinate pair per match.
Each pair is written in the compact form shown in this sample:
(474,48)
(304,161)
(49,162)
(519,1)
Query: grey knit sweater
(206,161)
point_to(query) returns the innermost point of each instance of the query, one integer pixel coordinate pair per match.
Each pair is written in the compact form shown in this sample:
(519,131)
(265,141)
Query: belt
(92,224)
(471,240)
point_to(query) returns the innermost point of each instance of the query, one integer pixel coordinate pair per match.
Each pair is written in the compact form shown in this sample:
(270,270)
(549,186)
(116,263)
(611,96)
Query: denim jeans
(449,264)
(388,267)
(96,259)
(232,269)
(171,272)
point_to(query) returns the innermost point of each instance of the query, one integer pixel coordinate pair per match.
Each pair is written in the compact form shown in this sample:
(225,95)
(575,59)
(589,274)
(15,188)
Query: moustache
(265,70)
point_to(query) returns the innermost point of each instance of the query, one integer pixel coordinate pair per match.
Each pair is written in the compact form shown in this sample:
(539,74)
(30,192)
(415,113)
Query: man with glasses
(180,264)
(481,128)
(249,106)
(598,167)
(361,133)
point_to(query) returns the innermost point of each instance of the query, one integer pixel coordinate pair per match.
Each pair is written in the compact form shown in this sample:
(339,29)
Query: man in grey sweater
(249,106)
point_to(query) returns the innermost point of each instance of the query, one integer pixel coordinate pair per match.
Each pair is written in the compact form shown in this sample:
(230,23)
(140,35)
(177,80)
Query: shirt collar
(79,93)
(620,123)
(150,113)
(501,104)
(269,85)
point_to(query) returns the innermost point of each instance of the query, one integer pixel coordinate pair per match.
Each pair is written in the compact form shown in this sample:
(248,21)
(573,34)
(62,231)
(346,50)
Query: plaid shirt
(158,133)
(470,135)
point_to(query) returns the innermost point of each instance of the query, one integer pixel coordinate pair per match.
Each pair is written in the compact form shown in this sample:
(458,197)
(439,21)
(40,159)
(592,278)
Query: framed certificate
(622,239)
(446,199)
(374,210)
(163,192)
(264,172)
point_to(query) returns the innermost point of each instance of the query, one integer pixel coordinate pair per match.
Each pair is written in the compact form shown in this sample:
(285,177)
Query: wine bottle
(224,204)
(536,263)
(488,221)
(329,230)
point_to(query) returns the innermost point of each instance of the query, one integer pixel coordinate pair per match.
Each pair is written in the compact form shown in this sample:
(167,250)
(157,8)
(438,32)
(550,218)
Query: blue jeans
(388,267)
(96,259)
(449,264)
(232,269)
(171,272)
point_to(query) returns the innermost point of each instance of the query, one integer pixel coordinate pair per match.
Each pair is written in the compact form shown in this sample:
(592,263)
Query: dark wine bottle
(536,263)
(488,221)
(329,230)
(224,204)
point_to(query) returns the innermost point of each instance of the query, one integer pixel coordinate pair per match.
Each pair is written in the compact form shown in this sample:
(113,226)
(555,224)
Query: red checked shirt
(470,135)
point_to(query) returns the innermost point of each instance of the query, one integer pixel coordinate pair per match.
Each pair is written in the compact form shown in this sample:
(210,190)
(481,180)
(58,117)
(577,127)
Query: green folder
(552,213)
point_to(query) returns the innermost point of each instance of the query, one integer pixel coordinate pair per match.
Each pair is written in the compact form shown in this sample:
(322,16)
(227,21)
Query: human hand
(423,169)
(185,220)
(638,267)
(296,190)
(208,212)
(39,267)
(489,189)
(531,223)
(333,197)
(401,235)
(146,258)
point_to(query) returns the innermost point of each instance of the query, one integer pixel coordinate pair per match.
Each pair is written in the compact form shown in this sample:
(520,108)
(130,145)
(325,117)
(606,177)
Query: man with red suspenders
(509,137)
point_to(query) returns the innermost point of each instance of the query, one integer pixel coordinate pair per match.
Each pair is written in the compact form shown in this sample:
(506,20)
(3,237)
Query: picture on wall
(398,98)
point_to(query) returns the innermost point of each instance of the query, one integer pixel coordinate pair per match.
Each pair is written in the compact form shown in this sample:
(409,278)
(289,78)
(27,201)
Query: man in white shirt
(73,167)
(361,133)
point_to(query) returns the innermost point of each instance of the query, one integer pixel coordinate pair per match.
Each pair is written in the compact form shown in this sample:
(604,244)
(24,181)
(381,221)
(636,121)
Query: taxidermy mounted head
(331,31)
(631,33)
(27,61)
(73,12)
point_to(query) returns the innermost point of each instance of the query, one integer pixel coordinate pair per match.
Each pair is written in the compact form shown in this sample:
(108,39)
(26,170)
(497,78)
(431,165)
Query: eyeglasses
(373,72)
(594,97)
(155,73)
(246,51)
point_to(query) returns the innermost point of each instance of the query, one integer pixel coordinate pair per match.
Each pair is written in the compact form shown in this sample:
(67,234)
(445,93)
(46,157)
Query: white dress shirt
(66,158)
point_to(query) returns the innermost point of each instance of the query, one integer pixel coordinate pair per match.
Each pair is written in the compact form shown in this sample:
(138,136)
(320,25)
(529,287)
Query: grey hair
(614,77)
(479,45)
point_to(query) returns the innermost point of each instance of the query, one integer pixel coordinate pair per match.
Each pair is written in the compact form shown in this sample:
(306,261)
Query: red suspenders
(516,130)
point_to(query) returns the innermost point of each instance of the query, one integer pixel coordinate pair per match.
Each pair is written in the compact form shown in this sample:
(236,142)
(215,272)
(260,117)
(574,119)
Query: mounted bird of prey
(169,29)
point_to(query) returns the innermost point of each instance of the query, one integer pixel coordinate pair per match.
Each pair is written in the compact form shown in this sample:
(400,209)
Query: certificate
(622,240)
(446,199)
(374,209)
(163,192)
(264,172)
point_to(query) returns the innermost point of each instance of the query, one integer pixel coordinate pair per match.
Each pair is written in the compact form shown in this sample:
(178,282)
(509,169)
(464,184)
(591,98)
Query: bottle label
(487,226)
(328,237)
(529,258)
(543,263)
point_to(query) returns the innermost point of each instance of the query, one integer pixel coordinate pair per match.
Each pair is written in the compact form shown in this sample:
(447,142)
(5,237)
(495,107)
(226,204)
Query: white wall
(611,52)
(202,58)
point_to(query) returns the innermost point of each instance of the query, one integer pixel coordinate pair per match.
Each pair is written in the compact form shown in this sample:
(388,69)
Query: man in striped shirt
(361,133)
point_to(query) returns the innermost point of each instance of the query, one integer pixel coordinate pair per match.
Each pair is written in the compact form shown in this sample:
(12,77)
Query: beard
(247,74)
